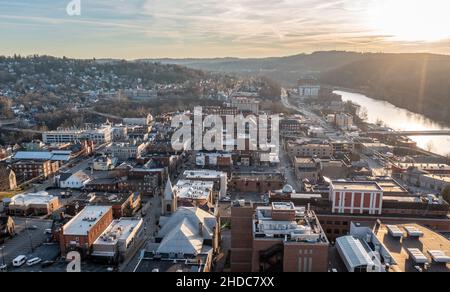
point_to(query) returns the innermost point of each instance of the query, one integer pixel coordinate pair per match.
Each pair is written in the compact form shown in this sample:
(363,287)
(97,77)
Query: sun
(411,20)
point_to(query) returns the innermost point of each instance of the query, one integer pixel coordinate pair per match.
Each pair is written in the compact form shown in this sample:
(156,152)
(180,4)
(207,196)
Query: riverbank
(409,107)
(401,119)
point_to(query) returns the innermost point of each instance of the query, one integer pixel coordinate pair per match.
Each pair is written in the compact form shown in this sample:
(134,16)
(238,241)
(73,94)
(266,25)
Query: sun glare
(411,20)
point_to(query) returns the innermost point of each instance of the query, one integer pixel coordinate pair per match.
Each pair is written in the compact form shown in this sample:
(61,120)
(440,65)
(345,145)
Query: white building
(146,121)
(127,150)
(98,136)
(40,203)
(77,180)
(308,88)
(120,236)
(188,190)
(218,177)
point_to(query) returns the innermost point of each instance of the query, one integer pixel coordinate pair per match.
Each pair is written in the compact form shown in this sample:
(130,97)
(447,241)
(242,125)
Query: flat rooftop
(357,186)
(203,174)
(391,186)
(82,223)
(40,198)
(304,227)
(438,177)
(118,230)
(197,190)
(283,206)
(431,241)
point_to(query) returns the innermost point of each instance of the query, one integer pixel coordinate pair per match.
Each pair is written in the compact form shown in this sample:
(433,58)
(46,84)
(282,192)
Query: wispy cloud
(197,28)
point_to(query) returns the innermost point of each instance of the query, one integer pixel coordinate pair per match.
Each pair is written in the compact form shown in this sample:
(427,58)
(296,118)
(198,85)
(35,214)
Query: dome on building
(288,189)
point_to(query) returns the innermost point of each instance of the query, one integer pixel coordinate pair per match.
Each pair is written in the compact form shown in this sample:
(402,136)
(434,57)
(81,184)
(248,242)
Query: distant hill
(418,82)
(286,70)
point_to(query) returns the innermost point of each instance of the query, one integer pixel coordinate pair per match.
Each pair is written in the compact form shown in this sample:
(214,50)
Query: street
(152,211)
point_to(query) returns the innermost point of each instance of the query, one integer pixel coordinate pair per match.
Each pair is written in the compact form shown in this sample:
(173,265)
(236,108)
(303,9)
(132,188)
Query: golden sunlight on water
(402,120)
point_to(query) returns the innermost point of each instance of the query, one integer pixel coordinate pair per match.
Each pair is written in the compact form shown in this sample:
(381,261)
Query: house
(7,227)
(77,180)
(7,179)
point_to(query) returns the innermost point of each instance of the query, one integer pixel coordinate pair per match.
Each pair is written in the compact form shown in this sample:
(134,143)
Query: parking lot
(27,240)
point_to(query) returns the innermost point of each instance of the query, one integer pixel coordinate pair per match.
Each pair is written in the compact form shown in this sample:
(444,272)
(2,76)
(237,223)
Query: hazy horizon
(136,29)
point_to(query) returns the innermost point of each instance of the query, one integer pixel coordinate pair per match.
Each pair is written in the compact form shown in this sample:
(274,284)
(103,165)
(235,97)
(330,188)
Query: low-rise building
(309,149)
(118,239)
(423,179)
(98,136)
(104,163)
(7,227)
(30,169)
(256,182)
(8,181)
(394,247)
(36,204)
(351,197)
(219,178)
(127,150)
(76,180)
(84,229)
(190,193)
(214,159)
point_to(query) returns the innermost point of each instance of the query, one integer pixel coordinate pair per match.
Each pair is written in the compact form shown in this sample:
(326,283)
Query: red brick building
(81,232)
(278,238)
(356,197)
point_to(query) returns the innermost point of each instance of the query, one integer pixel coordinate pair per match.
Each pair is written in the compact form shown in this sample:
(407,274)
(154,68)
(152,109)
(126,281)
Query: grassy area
(4,195)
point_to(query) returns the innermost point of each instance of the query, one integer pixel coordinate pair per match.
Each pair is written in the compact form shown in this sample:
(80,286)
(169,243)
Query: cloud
(213,27)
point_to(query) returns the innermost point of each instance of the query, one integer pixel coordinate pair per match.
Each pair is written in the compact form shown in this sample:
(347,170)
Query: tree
(446,194)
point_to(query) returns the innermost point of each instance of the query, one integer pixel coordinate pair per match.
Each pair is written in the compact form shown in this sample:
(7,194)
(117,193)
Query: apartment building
(277,238)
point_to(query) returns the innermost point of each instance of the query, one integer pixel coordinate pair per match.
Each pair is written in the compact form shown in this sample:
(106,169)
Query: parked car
(3,268)
(19,261)
(34,261)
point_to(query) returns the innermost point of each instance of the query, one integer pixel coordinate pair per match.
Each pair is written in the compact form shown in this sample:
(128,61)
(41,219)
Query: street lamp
(26,225)
(3,255)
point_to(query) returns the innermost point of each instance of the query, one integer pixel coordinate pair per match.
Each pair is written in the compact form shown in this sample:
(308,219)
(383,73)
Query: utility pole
(3,255)
(26,226)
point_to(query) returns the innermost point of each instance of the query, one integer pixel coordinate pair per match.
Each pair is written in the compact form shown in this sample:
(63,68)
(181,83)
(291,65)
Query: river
(402,120)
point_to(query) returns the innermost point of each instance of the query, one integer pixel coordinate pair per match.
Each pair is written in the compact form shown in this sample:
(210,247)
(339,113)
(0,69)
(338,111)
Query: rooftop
(119,230)
(32,199)
(203,174)
(357,186)
(82,223)
(429,243)
(198,190)
(286,222)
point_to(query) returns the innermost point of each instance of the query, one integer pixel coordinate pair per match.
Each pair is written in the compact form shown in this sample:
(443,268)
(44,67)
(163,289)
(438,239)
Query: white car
(3,268)
(34,261)
(19,261)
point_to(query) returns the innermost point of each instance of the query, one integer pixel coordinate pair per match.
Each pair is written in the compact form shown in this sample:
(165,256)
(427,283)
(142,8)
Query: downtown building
(277,238)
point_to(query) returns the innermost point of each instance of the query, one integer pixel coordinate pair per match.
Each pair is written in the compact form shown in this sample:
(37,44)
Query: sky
(132,29)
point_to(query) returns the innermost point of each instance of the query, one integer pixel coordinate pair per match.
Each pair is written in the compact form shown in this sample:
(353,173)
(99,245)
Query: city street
(152,212)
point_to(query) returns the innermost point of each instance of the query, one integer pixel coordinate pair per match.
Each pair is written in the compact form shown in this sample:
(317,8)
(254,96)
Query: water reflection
(402,120)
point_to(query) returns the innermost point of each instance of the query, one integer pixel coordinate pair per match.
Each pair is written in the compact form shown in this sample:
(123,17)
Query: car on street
(33,261)
(19,261)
